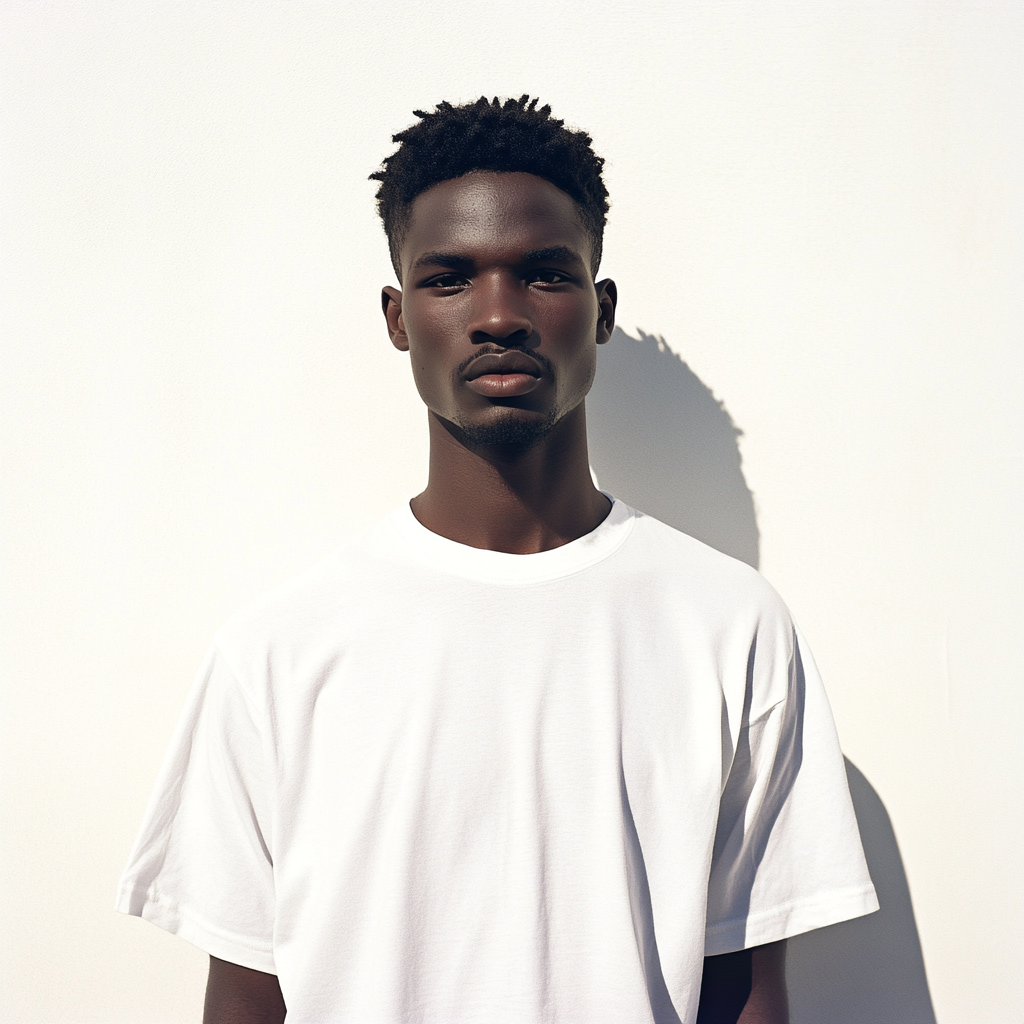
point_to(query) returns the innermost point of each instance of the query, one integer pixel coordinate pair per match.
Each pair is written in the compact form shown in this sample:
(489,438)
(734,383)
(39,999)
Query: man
(518,753)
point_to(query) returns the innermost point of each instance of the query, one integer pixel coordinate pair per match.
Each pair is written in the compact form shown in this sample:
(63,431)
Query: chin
(509,432)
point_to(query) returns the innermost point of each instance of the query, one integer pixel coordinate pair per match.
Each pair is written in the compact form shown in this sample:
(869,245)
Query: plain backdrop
(817,209)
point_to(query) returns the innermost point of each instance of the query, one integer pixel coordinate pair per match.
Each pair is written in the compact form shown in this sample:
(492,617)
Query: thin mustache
(497,350)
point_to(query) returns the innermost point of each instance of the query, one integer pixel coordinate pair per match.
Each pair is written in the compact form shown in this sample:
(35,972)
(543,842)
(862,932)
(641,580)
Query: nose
(500,313)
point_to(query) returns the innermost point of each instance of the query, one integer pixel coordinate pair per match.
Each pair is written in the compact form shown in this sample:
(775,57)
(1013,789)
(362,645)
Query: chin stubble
(510,434)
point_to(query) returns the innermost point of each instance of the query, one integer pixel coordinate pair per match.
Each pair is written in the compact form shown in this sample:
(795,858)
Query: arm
(745,987)
(239,995)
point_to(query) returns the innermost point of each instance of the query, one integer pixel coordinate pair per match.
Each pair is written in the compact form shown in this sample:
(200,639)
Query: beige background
(818,206)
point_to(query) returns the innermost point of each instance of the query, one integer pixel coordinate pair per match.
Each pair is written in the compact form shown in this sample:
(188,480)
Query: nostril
(518,337)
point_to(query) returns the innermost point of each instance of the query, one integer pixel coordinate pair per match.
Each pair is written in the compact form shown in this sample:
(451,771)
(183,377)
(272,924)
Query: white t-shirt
(427,782)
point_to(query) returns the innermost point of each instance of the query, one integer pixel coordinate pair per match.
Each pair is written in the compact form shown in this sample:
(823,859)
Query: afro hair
(490,135)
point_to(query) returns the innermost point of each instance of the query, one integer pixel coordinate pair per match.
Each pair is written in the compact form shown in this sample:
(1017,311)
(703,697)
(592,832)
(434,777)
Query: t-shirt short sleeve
(787,856)
(201,867)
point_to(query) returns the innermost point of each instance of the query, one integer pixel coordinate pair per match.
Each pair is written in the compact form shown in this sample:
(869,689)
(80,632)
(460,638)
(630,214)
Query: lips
(503,364)
(503,375)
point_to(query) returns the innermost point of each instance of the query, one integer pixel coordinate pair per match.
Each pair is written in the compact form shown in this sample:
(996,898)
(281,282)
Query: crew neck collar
(500,566)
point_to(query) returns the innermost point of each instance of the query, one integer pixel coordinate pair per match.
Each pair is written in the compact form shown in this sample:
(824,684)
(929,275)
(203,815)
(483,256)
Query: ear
(391,304)
(607,297)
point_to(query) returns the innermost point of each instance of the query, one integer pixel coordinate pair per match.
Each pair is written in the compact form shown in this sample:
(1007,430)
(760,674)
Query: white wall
(817,205)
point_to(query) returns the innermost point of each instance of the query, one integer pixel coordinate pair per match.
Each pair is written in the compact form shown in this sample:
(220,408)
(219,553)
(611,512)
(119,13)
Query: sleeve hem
(181,921)
(789,919)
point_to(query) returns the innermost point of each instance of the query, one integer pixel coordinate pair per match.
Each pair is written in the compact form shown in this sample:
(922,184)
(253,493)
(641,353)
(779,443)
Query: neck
(521,501)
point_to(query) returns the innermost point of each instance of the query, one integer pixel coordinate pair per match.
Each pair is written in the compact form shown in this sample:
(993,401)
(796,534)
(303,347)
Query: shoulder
(670,558)
(715,605)
(320,602)
(718,604)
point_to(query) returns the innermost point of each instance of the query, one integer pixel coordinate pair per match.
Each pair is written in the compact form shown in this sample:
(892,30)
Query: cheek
(426,375)
(574,317)
(429,333)
(431,323)
(575,325)
(582,379)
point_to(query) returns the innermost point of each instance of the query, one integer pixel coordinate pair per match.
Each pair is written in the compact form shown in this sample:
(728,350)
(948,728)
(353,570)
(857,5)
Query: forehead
(493,214)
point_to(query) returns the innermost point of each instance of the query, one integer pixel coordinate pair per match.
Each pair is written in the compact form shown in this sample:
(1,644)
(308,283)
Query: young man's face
(499,311)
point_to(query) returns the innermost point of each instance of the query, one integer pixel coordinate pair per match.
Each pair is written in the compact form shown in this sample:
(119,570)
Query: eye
(548,277)
(445,281)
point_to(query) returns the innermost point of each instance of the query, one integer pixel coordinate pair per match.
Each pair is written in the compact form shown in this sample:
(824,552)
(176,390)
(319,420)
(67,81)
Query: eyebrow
(451,260)
(556,254)
(456,261)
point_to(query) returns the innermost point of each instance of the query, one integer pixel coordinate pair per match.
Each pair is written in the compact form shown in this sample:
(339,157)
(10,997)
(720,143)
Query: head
(499,309)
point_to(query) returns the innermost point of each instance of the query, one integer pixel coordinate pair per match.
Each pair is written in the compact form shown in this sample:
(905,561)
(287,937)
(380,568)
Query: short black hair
(490,135)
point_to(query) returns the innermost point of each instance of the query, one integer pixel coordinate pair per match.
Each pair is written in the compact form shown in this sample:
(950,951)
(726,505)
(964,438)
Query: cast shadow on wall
(661,441)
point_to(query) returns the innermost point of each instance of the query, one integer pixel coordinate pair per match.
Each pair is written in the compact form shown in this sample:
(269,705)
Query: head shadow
(662,442)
